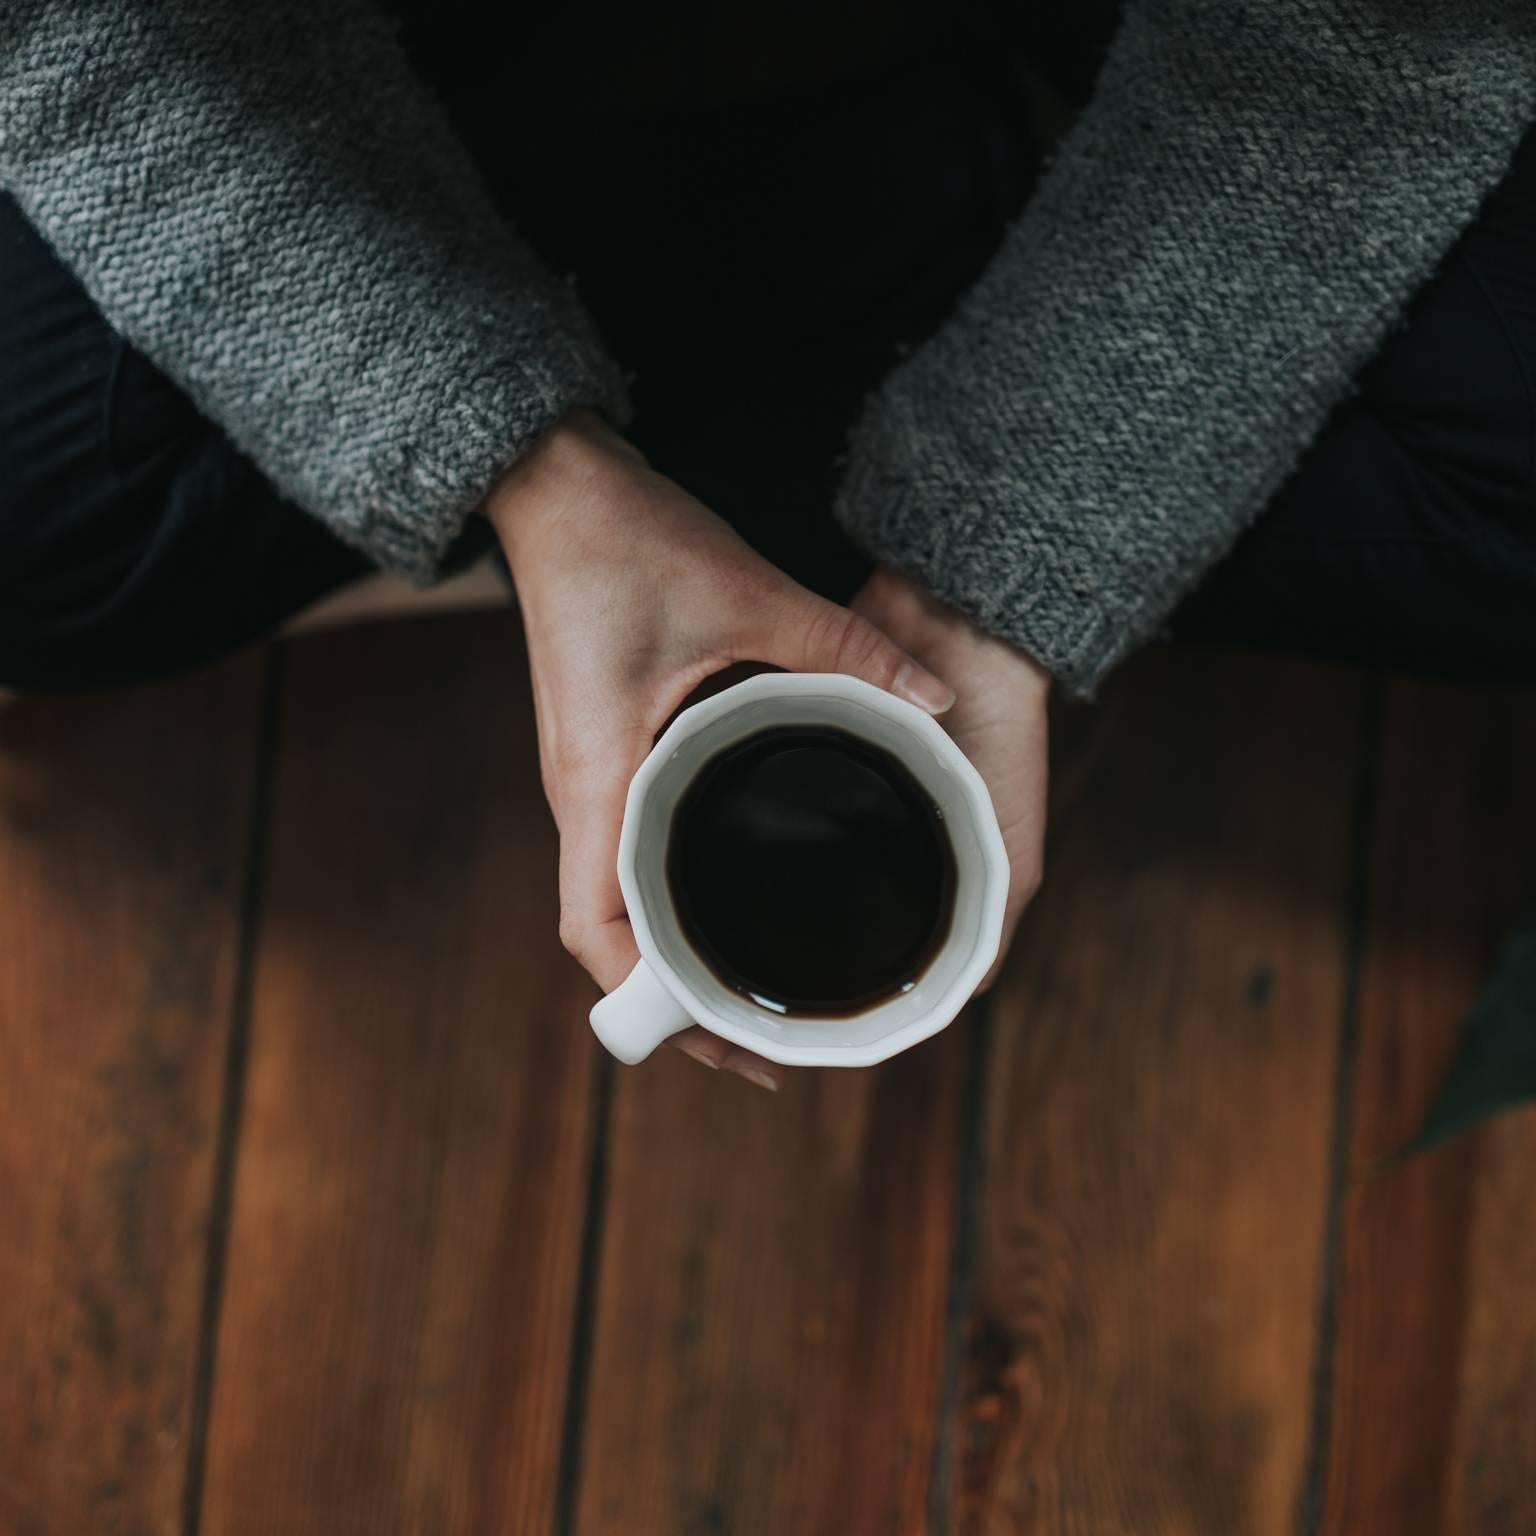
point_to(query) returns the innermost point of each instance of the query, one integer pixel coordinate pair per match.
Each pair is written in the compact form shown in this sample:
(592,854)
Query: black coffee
(811,871)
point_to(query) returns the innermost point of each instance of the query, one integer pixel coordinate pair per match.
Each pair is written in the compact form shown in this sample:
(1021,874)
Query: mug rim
(995,870)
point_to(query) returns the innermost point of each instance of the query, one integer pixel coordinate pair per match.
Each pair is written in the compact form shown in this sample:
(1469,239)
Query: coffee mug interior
(937,776)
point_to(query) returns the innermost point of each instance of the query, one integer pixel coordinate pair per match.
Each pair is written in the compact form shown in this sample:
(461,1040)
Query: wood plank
(1491,1486)
(768,1344)
(1159,1114)
(123,837)
(407,1218)
(1452,863)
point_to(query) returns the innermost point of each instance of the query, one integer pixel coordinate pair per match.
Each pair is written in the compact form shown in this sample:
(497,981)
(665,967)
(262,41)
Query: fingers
(810,634)
(594,926)
(713,1052)
(1011,755)
(1023,883)
(1021,891)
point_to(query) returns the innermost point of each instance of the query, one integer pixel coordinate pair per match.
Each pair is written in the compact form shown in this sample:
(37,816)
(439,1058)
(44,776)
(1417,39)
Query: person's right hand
(632,593)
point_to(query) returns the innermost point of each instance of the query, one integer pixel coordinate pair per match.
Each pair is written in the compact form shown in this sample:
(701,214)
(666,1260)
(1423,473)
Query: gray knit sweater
(261,197)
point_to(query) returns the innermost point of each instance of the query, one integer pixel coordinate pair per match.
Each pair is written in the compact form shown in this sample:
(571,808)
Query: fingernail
(761,1078)
(922,688)
(699,1054)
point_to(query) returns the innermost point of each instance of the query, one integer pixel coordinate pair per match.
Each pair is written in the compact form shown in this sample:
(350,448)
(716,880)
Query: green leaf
(1495,1064)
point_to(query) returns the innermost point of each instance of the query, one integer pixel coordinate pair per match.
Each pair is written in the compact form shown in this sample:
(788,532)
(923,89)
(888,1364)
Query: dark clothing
(835,227)
(134,540)
(1407,536)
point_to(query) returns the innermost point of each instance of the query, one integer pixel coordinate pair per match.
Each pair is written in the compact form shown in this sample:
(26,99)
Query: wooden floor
(321,1213)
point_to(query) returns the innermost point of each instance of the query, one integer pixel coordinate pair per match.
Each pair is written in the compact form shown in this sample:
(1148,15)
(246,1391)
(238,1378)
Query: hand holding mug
(813,870)
(999,720)
(632,593)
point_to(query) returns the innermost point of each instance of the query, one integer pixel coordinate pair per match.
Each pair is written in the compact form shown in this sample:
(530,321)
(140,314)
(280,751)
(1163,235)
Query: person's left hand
(998,720)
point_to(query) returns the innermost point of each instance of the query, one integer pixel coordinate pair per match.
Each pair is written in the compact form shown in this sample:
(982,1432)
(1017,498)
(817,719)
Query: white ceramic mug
(671,987)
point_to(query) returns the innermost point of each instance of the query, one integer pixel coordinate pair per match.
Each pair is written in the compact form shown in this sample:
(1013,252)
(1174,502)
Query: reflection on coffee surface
(811,871)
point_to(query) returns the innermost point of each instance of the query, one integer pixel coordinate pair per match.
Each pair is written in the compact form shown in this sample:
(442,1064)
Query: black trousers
(759,267)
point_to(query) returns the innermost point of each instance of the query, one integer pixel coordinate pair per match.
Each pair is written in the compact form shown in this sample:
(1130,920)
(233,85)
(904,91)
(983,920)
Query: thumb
(810,634)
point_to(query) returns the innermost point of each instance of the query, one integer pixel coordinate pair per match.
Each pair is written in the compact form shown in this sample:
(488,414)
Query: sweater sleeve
(1226,235)
(264,199)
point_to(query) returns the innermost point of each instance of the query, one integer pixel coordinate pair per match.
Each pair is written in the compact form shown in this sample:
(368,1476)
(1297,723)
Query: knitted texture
(1228,232)
(264,199)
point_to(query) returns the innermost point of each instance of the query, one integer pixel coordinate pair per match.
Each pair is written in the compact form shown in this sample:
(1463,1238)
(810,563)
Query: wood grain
(1491,1485)
(407,1220)
(1453,861)
(123,834)
(768,1345)
(1159,1115)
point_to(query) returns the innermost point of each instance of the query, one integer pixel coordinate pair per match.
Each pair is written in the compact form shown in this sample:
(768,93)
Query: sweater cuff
(419,492)
(1223,241)
(268,202)
(972,545)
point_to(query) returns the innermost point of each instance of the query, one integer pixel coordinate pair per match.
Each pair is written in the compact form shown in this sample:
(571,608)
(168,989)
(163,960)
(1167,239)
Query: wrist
(563,463)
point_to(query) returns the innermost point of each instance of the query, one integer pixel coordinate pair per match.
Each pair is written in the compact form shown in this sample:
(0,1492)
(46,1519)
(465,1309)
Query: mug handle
(638,1015)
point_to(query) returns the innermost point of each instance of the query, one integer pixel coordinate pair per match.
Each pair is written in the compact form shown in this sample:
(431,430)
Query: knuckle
(870,656)
(569,772)
(573,934)
(826,634)
(549,780)
(851,643)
